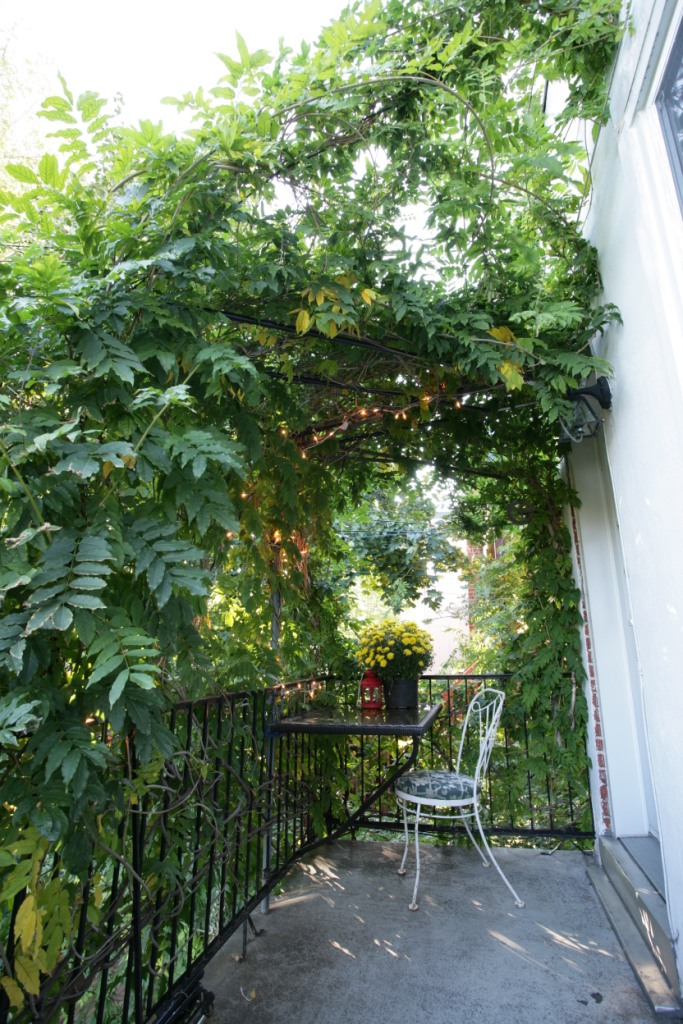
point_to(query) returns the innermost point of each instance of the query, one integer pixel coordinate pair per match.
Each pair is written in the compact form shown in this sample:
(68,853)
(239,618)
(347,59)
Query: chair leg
(464,818)
(413,905)
(402,869)
(518,902)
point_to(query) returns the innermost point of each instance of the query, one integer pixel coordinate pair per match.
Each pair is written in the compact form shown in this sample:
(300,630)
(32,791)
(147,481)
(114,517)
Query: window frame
(670,110)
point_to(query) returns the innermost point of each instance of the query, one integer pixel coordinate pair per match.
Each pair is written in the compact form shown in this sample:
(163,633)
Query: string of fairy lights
(314,436)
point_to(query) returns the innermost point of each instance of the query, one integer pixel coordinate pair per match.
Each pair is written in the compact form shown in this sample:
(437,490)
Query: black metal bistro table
(296,712)
(342,720)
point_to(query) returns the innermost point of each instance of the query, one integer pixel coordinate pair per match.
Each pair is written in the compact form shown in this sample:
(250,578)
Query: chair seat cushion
(435,785)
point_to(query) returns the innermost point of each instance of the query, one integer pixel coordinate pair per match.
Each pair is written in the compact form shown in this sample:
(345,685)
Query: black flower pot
(400,693)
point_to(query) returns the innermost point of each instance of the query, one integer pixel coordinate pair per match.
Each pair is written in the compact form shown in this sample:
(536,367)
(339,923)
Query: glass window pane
(670,106)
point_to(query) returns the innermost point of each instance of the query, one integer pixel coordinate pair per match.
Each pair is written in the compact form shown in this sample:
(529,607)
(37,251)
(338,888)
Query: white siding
(636,222)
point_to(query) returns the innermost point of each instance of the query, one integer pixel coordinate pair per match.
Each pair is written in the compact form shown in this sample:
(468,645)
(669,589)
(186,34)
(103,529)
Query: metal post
(269,710)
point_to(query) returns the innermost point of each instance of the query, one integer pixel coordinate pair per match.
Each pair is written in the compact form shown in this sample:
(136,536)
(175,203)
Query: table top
(325,720)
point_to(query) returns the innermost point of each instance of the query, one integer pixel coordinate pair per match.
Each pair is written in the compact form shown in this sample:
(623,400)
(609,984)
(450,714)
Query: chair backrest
(480,729)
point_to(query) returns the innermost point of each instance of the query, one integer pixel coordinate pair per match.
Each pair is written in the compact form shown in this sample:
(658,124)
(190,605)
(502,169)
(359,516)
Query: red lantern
(370,691)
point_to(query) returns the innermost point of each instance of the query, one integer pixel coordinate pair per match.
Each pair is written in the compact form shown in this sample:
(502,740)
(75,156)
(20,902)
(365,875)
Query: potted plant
(399,652)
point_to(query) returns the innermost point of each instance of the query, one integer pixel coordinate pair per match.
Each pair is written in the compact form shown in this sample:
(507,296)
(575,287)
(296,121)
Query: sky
(144,49)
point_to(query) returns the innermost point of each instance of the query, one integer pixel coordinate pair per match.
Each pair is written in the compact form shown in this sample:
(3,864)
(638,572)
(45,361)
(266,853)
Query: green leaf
(105,668)
(243,51)
(16,653)
(80,462)
(70,764)
(87,568)
(156,573)
(85,626)
(80,779)
(22,173)
(88,583)
(11,579)
(105,354)
(77,600)
(43,594)
(94,549)
(78,853)
(13,992)
(143,680)
(27,974)
(17,716)
(48,169)
(90,104)
(55,757)
(118,686)
(164,591)
(62,618)
(42,618)
(17,880)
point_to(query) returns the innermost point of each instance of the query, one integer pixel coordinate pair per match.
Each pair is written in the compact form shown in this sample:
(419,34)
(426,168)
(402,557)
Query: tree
(21,81)
(401,543)
(214,344)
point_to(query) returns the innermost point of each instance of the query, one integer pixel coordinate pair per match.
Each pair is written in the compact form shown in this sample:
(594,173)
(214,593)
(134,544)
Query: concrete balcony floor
(340,945)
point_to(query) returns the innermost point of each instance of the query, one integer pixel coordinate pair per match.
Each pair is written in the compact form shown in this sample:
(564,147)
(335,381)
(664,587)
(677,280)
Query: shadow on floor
(340,945)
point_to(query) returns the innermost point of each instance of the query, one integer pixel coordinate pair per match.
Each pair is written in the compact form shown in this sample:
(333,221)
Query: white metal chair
(450,794)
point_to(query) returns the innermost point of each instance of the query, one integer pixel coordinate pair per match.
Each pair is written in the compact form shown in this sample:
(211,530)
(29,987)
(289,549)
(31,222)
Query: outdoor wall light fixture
(586,418)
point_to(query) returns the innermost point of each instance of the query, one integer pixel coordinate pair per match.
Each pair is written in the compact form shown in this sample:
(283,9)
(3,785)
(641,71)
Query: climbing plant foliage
(363,257)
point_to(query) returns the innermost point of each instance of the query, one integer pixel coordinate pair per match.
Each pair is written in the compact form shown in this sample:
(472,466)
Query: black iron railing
(202,843)
(527,797)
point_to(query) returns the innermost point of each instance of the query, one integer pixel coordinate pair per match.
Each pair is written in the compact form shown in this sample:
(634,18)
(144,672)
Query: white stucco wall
(637,224)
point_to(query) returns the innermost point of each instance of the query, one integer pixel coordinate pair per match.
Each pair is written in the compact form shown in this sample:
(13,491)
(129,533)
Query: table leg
(347,826)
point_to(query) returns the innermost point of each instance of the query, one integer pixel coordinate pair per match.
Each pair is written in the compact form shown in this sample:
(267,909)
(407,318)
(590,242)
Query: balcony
(209,836)
(339,944)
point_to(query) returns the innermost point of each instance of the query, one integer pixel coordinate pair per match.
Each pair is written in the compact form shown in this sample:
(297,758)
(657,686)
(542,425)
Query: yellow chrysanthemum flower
(395,649)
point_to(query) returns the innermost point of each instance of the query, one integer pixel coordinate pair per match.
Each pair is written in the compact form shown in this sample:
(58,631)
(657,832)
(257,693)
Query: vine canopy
(363,257)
